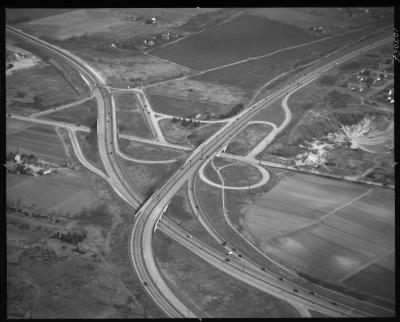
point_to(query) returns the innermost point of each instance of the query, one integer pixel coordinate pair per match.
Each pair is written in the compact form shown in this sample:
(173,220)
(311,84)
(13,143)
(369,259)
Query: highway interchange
(147,218)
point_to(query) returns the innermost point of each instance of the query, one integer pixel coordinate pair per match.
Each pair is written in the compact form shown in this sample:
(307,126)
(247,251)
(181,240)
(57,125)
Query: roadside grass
(41,140)
(148,177)
(130,117)
(198,136)
(248,138)
(184,107)
(37,89)
(210,292)
(90,149)
(273,113)
(240,174)
(180,212)
(174,132)
(83,114)
(143,151)
(219,162)
(316,314)
(211,174)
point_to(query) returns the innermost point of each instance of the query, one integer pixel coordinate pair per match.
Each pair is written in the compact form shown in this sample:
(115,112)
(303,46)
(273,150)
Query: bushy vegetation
(235,110)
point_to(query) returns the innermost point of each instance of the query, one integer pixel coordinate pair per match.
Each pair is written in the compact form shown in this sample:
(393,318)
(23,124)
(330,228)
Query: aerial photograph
(199,162)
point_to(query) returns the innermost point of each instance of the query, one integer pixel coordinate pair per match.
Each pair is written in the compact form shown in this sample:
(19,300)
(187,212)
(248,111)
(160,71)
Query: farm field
(240,38)
(143,151)
(37,89)
(14,125)
(210,292)
(40,140)
(332,19)
(83,114)
(19,15)
(62,192)
(130,117)
(251,75)
(240,174)
(173,105)
(285,224)
(248,138)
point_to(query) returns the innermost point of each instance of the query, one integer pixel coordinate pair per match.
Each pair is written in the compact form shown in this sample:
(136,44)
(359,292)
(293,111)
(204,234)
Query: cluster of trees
(186,122)
(235,110)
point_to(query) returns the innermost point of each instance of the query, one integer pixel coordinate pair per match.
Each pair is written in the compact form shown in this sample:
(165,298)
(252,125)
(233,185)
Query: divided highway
(140,243)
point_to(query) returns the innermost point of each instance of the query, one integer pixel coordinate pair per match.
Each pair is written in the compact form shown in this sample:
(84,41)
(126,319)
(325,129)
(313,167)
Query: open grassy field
(130,117)
(242,37)
(90,149)
(248,138)
(174,132)
(201,134)
(147,177)
(180,212)
(33,90)
(240,174)
(209,292)
(49,277)
(41,140)
(176,106)
(14,126)
(64,191)
(83,114)
(199,91)
(143,151)
(273,113)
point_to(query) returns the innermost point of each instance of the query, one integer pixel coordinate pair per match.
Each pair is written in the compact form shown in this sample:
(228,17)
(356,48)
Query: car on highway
(227,260)
(281,279)
(312,292)
(295,290)
(334,303)
(263,269)
(188,236)
(229,253)
(240,255)
(223,243)
(145,283)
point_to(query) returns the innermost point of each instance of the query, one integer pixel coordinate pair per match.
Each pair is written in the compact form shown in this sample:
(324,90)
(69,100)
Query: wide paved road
(148,215)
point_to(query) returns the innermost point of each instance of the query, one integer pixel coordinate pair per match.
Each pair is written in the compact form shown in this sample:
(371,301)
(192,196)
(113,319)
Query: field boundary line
(332,212)
(365,265)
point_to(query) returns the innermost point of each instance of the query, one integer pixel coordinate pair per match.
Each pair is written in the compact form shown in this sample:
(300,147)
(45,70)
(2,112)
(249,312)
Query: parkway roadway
(140,243)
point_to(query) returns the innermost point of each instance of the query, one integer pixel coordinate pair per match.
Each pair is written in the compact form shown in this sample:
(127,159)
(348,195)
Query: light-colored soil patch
(200,91)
